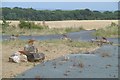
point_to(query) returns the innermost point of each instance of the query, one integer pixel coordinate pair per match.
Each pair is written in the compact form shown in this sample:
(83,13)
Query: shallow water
(101,63)
(82,35)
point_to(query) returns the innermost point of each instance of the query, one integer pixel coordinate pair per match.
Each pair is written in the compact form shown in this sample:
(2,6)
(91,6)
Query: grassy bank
(56,42)
(50,45)
(30,28)
(78,44)
(109,31)
(56,27)
(18,31)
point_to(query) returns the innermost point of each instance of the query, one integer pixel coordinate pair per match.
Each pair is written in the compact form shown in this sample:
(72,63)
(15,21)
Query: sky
(100,6)
(60,0)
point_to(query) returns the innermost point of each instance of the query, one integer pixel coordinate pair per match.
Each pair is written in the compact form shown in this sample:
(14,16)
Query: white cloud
(60,1)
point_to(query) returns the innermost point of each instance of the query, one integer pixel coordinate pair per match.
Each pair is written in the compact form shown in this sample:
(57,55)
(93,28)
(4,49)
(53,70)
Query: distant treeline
(17,13)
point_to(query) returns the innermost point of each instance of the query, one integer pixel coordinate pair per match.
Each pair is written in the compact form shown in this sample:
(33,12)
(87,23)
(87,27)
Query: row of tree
(17,13)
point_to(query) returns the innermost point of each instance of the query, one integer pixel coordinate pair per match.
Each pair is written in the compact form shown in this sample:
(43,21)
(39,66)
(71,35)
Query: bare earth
(51,51)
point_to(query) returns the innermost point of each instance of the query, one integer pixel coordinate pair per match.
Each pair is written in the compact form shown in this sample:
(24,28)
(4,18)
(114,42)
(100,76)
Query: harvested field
(86,24)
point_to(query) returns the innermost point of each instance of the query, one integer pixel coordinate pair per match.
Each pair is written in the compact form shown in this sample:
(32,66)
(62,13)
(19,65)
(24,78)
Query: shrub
(4,25)
(67,30)
(30,25)
(109,31)
(113,24)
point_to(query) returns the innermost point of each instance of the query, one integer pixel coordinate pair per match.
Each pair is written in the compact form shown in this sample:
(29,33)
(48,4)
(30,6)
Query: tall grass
(39,31)
(31,25)
(32,28)
(67,30)
(109,31)
(56,42)
(79,44)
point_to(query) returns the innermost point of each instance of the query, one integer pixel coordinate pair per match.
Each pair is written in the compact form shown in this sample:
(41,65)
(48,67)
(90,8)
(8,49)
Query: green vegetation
(30,25)
(57,42)
(5,25)
(17,13)
(70,43)
(35,31)
(110,31)
(63,30)
(67,30)
(30,28)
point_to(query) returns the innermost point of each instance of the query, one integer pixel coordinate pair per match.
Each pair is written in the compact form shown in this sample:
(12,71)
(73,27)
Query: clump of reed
(109,31)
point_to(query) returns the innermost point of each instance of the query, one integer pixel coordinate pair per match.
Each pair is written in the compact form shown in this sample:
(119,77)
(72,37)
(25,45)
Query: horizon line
(58,9)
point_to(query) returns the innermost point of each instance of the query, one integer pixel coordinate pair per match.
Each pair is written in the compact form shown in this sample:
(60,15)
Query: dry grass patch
(51,48)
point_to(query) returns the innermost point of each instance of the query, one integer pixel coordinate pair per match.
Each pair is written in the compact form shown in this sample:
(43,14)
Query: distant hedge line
(17,13)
